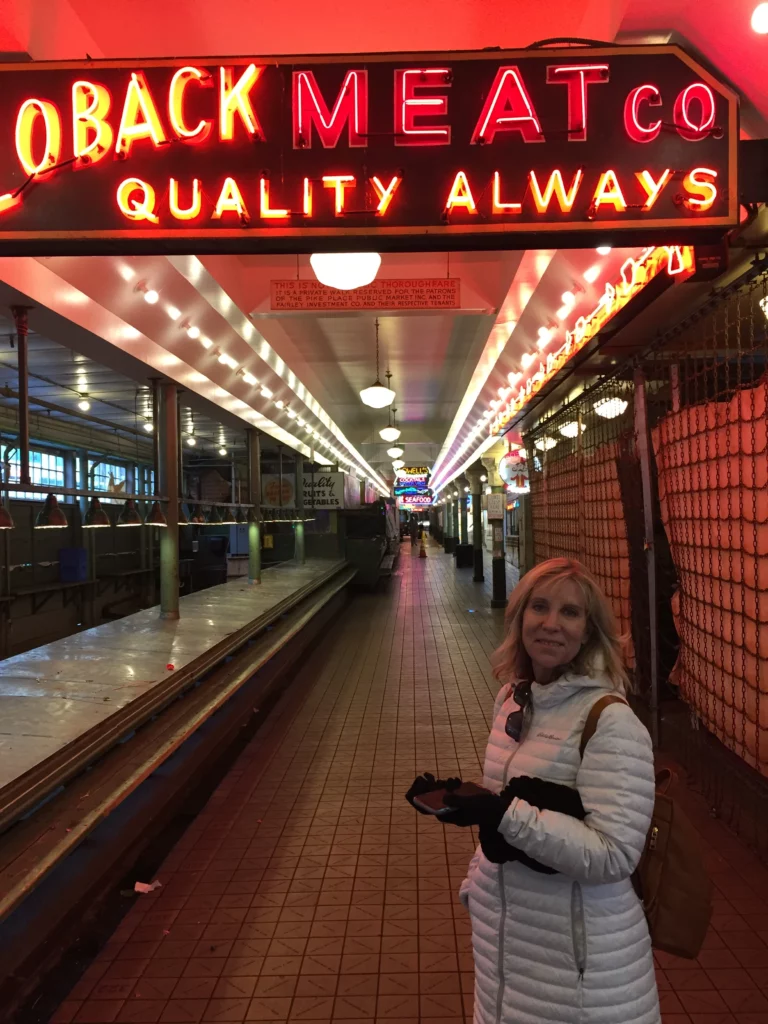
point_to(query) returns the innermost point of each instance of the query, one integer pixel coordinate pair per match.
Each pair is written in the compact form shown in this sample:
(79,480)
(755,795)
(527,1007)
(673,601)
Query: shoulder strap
(594,716)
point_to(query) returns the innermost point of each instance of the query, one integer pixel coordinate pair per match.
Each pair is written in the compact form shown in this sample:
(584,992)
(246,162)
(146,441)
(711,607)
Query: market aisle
(308,890)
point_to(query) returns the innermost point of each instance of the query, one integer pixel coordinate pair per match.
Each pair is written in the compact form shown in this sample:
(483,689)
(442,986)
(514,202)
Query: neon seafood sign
(458,148)
(635,274)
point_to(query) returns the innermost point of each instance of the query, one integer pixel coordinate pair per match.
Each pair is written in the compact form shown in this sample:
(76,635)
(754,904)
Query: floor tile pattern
(308,890)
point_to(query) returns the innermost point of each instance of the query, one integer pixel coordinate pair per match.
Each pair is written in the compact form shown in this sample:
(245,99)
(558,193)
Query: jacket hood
(548,695)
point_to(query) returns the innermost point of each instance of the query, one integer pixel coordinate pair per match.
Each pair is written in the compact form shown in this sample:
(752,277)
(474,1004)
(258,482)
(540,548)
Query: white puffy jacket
(573,947)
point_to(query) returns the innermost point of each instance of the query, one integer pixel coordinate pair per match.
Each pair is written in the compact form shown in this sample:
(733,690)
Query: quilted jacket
(572,947)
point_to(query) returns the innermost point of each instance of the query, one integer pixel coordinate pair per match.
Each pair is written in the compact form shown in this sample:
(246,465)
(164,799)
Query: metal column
(20,316)
(477,529)
(300,551)
(498,562)
(463,528)
(642,443)
(168,485)
(254,497)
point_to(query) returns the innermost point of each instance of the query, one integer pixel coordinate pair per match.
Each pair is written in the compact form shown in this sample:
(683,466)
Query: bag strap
(594,716)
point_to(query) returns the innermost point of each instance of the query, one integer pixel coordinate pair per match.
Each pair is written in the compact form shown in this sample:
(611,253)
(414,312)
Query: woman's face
(554,627)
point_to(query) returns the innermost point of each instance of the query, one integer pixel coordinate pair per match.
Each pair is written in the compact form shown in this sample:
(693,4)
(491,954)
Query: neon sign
(476,147)
(635,274)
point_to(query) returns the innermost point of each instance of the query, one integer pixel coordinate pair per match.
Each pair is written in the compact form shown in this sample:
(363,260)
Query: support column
(642,443)
(525,530)
(168,486)
(449,542)
(254,497)
(299,548)
(475,474)
(20,316)
(463,498)
(498,561)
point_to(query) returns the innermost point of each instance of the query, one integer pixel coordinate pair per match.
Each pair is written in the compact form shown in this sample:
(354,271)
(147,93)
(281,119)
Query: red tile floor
(308,890)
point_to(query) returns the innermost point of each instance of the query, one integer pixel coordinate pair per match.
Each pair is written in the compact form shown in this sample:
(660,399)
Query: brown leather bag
(671,879)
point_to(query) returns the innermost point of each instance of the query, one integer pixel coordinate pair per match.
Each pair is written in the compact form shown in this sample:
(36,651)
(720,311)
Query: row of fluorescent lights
(152,296)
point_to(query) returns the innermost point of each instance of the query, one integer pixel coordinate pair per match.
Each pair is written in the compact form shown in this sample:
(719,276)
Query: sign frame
(303,237)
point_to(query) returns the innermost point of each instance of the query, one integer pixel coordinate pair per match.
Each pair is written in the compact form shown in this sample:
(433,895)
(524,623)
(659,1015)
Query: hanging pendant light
(183,521)
(6,519)
(394,453)
(391,432)
(50,516)
(397,464)
(377,396)
(229,518)
(156,517)
(345,270)
(213,518)
(129,514)
(241,517)
(197,516)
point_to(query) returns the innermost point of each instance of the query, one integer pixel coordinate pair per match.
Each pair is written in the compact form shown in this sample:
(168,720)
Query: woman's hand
(427,783)
(486,809)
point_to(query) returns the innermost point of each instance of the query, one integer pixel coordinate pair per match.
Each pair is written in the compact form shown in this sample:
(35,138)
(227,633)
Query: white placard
(495,505)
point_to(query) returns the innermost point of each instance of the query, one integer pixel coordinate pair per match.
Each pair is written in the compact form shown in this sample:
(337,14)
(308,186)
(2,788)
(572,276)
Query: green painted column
(254,497)
(169,487)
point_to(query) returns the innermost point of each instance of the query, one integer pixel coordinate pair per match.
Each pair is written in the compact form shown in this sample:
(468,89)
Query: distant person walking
(413,529)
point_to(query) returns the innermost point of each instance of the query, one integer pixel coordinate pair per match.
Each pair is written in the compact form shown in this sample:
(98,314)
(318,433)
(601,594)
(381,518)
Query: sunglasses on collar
(514,724)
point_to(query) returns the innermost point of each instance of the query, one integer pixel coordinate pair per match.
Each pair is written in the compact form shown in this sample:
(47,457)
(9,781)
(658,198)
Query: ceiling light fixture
(610,408)
(50,516)
(546,444)
(222,451)
(397,464)
(345,270)
(391,432)
(603,250)
(250,379)
(377,396)
(173,313)
(394,453)
(84,405)
(191,441)
(193,332)
(572,429)
(592,274)
(95,516)
(265,392)
(759,20)
(150,295)
(129,514)
(148,426)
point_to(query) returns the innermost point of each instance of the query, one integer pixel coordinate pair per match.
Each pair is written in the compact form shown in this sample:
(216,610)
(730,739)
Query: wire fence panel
(576,492)
(710,391)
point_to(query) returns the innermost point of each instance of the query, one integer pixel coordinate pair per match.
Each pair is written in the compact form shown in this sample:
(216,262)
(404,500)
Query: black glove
(538,792)
(484,809)
(427,783)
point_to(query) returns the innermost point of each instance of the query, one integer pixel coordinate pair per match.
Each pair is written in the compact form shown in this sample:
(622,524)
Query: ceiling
(447,366)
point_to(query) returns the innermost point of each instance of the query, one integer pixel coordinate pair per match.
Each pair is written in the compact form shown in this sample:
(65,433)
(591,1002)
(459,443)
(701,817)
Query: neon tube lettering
(411,107)
(384,193)
(306,208)
(176,91)
(498,205)
(182,212)
(460,195)
(230,201)
(139,119)
(608,193)
(555,186)
(310,110)
(702,191)
(576,77)
(635,130)
(9,201)
(688,129)
(29,113)
(508,108)
(92,136)
(653,189)
(235,99)
(136,209)
(264,208)
(338,182)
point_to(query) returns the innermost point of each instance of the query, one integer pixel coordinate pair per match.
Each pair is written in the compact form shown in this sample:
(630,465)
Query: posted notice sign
(405,293)
(495,506)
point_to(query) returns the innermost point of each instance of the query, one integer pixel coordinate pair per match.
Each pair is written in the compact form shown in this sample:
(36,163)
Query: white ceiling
(446,366)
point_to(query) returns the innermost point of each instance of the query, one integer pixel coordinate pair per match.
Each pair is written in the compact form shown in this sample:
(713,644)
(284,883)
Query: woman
(559,935)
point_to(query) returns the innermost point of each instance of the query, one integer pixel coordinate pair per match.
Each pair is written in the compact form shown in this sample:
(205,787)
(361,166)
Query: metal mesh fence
(700,397)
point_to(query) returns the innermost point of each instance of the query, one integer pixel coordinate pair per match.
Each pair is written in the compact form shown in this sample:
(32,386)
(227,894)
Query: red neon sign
(459,144)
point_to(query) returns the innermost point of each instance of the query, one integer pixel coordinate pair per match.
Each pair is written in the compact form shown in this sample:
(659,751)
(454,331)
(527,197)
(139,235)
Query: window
(45,470)
(106,476)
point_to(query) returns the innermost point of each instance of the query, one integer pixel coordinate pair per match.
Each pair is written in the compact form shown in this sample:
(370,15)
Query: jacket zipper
(502,891)
(578,929)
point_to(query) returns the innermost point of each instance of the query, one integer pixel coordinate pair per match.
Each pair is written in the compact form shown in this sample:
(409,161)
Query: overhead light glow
(345,270)
(610,408)
(222,451)
(395,452)
(151,296)
(191,441)
(389,434)
(592,274)
(760,19)
(603,250)
(545,444)
(265,392)
(148,426)
(173,313)
(545,335)
(572,429)
(193,332)
(397,464)
(280,403)
(377,396)
(250,379)
(84,404)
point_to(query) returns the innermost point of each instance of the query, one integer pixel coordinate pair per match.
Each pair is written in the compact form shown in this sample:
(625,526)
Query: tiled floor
(308,890)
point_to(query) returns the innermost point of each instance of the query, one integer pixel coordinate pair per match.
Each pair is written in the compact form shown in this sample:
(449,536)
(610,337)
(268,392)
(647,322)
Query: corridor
(308,890)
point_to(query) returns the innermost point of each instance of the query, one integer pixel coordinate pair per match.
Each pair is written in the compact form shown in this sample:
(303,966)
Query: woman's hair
(602,651)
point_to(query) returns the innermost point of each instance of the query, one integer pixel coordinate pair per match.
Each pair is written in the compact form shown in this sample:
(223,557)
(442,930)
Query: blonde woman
(559,935)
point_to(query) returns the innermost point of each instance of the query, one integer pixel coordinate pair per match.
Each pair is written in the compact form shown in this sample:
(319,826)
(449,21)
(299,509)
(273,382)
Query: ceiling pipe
(6,392)
(21,319)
